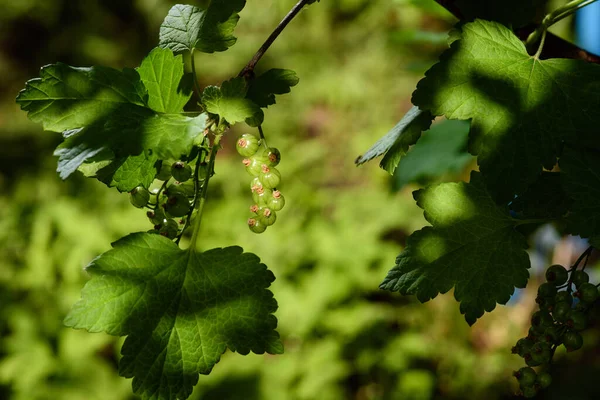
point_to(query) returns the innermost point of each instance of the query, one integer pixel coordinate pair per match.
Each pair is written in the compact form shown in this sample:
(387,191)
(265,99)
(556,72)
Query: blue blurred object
(588,28)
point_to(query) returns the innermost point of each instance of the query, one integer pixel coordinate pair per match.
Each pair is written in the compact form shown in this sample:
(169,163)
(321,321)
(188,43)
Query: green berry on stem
(256,225)
(156,216)
(529,391)
(580,277)
(576,320)
(253,166)
(557,275)
(254,208)
(170,229)
(181,171)
(139,197)
(273,156)
(267,216)
(270,177)
(177,205)
(523,346)
(564,296)
(587,293)
(247,145)
(276,201)
(526,376)
(561,311)
(542,319)
(255,184)
(544,379)
(546,290)
(572,341)
(260,196)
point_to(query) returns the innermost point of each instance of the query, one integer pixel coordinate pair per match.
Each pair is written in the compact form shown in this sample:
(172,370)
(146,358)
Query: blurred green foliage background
(343,226)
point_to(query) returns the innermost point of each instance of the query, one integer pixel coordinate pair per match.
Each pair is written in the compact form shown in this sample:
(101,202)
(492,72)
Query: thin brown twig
(249,68)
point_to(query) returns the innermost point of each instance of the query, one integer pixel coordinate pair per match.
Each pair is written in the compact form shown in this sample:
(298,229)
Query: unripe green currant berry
(247,145)
(576,320)
(256,225)
(177,205)
(546,290)
(270,177)
(529,391)
(542,319)
(544,379)
(260,196)
(186,189)
(139,197)
(579,277)
(541,352)
(272,155)
(255,184)
(587,293)
(253,166)
(564,296)
(170,229)
(254,208)
(546,303)
(572,341)
(267,216)
(561,311)
(164,174)
(557,275)
(181,171)
(532,362)
(157,216)
(551,335)
(526,376)
(523,346)
(276,201)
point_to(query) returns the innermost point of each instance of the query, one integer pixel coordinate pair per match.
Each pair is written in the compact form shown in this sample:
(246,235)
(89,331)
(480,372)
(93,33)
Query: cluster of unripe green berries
(562,315)
(260,162)
(172,201)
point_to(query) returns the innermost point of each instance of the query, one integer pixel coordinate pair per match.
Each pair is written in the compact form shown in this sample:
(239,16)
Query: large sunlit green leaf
(472,246)
(180,310)
(521,108)
(229,101)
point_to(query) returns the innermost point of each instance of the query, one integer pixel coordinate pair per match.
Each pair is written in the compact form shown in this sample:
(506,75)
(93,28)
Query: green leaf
(581,180)
(472,246)
(229,101)
(440,150)
(522,109)
(127,173)
(161,73)
(180,310)
(545,198)
(208,30)
(129,133)
(66,97)
(397,141)
(262,90)
(103,115)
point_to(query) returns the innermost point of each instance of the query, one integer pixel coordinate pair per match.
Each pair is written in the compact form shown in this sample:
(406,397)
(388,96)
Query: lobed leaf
(521,108)
(262,89)
(187,27)
(180,310)
(472,246)
(110,115)
(229,101)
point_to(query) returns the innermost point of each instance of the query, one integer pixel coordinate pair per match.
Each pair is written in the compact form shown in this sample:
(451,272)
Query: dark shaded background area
(358,61)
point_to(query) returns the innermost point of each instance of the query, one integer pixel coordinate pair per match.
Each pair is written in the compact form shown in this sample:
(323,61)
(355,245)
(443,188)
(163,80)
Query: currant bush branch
(248,70)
